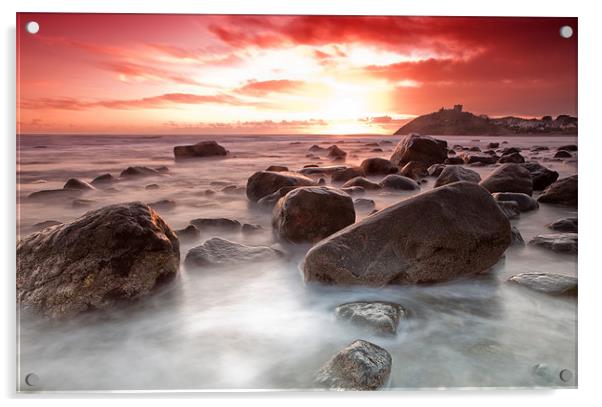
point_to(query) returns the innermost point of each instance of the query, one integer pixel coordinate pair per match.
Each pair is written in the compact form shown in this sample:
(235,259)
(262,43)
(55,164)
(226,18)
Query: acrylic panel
(270,202)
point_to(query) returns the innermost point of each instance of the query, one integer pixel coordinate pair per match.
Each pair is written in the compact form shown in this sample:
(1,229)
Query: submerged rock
(360,366)
(119,252)
(562,154)
(377,166)
(419,148)
(455,173)
(563,192)
(74,183)
(189,234)
(336,153)
(524,201)
(485,159)
(565,225)
(55,194)
(383,317)
(404,243)
(264,183)
(309,214)
(277,168)
(557,242)
(199,150)
(512,158)
(344,175)
(354,190)
(361,182)
(509,178)
(398,182)
(221,252)
(548,283)
(568,147)
(542,177)
(216,223)
(138,171)
(103,180)
(163,205)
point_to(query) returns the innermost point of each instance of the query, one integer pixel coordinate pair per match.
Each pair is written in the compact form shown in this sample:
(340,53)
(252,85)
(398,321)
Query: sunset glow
(117,74)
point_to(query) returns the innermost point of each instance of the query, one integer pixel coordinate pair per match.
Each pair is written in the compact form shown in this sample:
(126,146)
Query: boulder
(557,242)
(137,171)
(316,148)
(103,180)
(377,166)
(419,148)
(382,317)
(204,224)
(309,214)
(189,234)
(510,209)
(565,225)
(222,252)
(517,238)
(540,148)
(542,177)
(493,145)
(563,192)
(548,283)
(55,195)
(398,182)
(361,182)
(512,158)
(509,178)
(277,168)
(454,173)
(360,366)
(74,183)
(436,169)
(264,183)
(562,154)
(346,174)
(568,147)
(511,150)
(119,252)
(199,150)
(454,161)
(479,158)
(451,231)
(474,148)
(524,201)
(414,170)
(336,153)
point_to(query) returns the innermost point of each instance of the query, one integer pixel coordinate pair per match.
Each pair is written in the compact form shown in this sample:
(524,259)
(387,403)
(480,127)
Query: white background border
(590,166)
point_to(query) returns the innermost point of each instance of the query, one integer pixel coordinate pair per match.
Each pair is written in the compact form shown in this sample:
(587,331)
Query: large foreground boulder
(119,252)
(264,183)
(448,232)
(419,148)
(563,192)
(455,173)
(199,150)
(309,214)
(509,178)
(360,366)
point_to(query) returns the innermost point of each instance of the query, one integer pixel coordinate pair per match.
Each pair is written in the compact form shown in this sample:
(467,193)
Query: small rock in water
(74,183)
(524,201)
(189,234)
(436,169)
(565,225)
(151,187)
(354,190)
(542,177)
(360,366)
(480,159)
(269,201)
(557,242)
(509,178)
(162,169)
(517,238)
(493,145)
(199,150)
(103,179)
(363,204)
(222,252)
(277,168)
(163,205)
(511,158)
(216,223)
(233,189)
(361,182)
(562,154)
(381,316)
(453,161)
(138,171)
(548,283)
(344,175)
(394,182)
(55,194)
(568,147)
(336,153)
(562,192)
(454,173)
(309,214)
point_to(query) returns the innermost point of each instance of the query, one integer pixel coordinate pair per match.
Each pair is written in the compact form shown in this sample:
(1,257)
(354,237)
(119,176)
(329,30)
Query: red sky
(107,73)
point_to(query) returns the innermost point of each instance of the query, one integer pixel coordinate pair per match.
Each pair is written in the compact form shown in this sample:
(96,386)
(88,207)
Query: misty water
(259,326)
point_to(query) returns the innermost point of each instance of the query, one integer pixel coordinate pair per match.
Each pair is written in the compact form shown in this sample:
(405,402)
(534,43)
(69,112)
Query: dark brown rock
(309,214)
(199,150)
(419,148)
(403,244)
(346,174)
(568,147)
(562,154)
(103,179)
(399,182)
(55,195)
(509,178)
(455,173)
(74,183)
(377,166)
(361,182)
(524,201)
(277,168)
(189,234)
(512,158)
(264,183)
(414,170)
(137,171)
(563,192)
(542,177)
(119,252)
(221,252)
(204,224)
(565,225)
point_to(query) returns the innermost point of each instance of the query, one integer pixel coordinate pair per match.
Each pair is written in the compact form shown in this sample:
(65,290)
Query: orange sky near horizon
(200,74)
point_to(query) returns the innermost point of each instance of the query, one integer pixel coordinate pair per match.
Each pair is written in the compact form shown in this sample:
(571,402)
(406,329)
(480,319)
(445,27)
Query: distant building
(457,108)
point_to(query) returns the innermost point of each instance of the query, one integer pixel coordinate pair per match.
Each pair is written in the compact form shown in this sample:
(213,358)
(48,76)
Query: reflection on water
(258,325)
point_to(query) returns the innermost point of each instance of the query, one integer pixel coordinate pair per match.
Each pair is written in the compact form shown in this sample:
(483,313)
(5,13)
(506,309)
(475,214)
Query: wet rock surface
(509,178)
(264,183)
(75,183)
(565,225)
(548,283)
(557,242)
(419,148)
(221,252)
(382,317)
(377,166)
(455,173)
(361,182)
(542,177)
(199,150)
(116,253)
(562,192)
(360,366)
(394,182)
